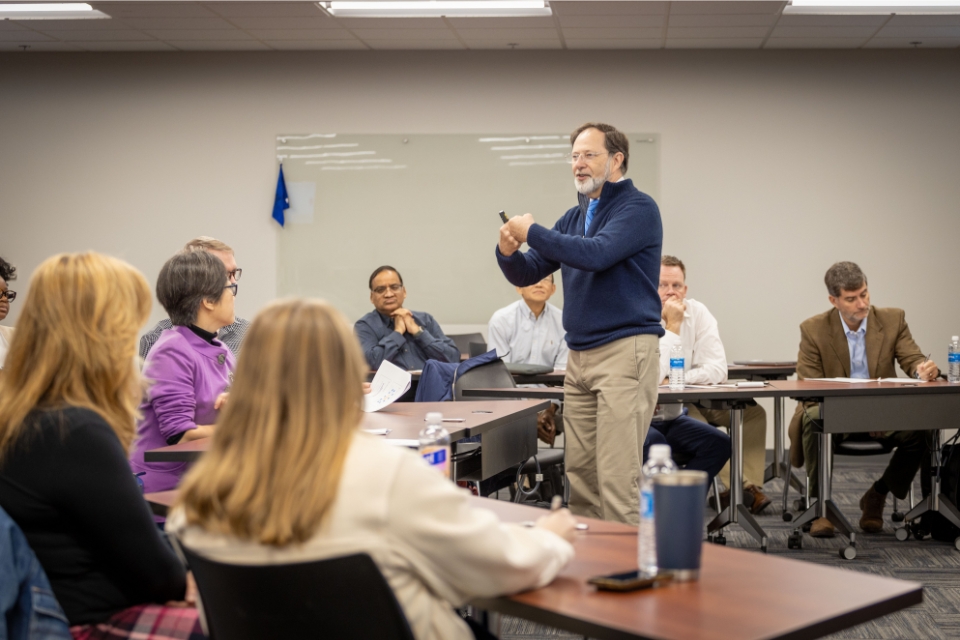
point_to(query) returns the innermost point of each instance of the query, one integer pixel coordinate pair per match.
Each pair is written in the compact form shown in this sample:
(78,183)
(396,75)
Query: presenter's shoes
(872,504)
(822,528)
(760,499)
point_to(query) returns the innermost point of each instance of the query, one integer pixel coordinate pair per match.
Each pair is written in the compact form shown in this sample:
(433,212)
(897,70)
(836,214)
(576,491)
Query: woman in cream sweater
(289,478)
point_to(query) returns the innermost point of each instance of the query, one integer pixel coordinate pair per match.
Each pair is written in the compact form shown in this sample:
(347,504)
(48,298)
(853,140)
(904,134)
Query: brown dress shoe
(872,504)
(760,500)
(822,528)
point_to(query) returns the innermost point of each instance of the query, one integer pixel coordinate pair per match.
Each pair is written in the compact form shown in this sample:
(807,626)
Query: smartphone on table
(630,581)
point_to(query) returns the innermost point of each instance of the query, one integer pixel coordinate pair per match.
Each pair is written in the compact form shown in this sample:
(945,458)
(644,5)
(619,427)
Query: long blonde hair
(273,469)
(75,344)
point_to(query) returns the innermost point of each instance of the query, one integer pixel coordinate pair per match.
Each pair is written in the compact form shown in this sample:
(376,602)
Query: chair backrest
(477,348)
(493,375)
(463,340)
(344,597)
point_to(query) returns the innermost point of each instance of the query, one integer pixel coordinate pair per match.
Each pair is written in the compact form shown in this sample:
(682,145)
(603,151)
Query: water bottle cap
(434,417)
(659,451)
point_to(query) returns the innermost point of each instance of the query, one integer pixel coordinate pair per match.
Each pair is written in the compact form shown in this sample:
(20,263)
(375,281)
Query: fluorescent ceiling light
(873,7)
(50,11)
(436,8)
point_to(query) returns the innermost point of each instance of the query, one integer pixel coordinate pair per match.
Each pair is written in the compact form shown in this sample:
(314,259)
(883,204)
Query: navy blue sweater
(610,275)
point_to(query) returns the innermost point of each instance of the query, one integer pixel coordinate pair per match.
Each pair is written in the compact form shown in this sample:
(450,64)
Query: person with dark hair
(7,272)
(857,340)
(406,338)
(188,370)
(608,249)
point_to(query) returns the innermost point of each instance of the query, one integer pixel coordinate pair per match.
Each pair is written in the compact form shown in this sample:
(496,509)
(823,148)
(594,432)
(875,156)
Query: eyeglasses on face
(235,274)
(9,295)
(589,156)
(392,287)
(233,287)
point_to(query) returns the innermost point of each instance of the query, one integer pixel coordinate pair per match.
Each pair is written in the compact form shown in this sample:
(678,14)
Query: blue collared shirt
(380,342)
(856,341)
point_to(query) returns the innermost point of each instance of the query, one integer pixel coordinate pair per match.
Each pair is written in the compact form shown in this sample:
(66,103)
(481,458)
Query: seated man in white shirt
(689,323)
(530,331)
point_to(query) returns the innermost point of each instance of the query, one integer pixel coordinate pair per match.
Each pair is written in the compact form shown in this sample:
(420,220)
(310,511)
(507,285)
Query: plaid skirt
(145,622)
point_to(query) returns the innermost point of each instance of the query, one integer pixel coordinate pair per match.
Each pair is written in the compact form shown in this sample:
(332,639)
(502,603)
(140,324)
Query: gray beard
(589,186)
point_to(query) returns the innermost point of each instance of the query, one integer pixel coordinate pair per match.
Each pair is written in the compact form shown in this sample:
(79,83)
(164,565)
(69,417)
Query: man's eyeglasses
(382,290)
(9,295)
(589,156)
(233,287)
(235,274)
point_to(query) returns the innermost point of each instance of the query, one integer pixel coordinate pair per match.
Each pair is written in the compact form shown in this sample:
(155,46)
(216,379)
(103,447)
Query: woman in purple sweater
(188,371)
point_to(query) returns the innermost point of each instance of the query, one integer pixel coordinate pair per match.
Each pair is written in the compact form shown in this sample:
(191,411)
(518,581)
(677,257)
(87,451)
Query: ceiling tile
(924,21)
(222,45)
(198,35)
(37,46)
(798,20)
(823,32)
(99,24)
(723,20)
(717,32)
(637,20)
(508,35)
(24,36)
(714,43)
(265,8)
(392,23)
(154,9)
(601,8)
(617,34)
(814,43)
(919,32)
(626,43)
(415,44)
(301,34)
(315,45)
(906,43)
(178,23)
(99,36)
(501,23)
(144,45)
(427,35)
(285,22)
(521,44)
(721,6)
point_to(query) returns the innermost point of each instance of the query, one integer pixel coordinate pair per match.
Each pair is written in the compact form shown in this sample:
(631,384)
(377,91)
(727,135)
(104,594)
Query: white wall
(774,164)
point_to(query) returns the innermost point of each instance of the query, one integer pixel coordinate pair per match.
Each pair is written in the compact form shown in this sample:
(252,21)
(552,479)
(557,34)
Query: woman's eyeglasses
(9,295)
(233,287)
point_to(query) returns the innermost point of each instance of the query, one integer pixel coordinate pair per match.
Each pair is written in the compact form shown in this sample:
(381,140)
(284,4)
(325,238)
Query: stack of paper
(390,383)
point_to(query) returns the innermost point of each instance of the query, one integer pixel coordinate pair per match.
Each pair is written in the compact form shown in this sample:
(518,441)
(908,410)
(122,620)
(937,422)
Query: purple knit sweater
(185,375)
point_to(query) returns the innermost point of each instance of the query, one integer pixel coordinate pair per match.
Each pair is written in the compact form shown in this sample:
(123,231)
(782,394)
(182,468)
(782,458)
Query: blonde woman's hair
(273,469)
(76,344)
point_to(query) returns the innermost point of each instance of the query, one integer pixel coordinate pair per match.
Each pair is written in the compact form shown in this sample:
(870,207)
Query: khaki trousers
(609,396)
(754,440)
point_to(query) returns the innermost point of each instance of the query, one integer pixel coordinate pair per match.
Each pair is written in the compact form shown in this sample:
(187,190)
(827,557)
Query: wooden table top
(403,419)
(824,389)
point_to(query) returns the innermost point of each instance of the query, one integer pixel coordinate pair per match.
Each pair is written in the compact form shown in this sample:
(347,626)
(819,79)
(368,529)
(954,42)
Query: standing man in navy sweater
(608,249)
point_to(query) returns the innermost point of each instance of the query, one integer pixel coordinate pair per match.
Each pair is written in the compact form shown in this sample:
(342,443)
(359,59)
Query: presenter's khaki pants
(609,397)
(754,439)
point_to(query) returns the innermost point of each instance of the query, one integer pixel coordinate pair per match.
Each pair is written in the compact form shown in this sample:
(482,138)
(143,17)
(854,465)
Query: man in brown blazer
(857,340)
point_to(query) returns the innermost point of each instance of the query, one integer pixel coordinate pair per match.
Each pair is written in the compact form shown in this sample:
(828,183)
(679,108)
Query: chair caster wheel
(720,539)
(795,540)
(902,533)
(916,528)
(897,516)
(956,544)
(848,553)
(763,549)
(787,517)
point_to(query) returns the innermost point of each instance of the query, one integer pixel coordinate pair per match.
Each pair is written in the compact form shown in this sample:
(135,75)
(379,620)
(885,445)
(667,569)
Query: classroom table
(741,595)
(507,430)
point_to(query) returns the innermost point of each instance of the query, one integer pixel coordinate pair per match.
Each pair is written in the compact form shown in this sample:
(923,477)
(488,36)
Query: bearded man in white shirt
(530,331)
(691,324)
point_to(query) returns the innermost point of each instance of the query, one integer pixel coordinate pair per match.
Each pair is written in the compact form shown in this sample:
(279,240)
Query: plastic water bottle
(676,367)
(435,444)
(953,360)
(658,463)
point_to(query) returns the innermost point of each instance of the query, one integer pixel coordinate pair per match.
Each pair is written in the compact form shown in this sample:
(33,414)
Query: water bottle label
(435,457)
(646,504)
(676,363)
(954,357)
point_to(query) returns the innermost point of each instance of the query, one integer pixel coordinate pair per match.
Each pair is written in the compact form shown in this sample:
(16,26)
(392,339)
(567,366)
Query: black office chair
(477,349)
(495,375)
(463,340)
(345,598)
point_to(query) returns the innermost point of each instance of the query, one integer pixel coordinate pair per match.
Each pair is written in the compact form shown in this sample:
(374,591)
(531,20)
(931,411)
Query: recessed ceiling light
(873,7)
(50,11)
(436,8)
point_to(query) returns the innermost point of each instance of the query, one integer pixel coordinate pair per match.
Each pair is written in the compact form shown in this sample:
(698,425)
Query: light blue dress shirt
(856,341)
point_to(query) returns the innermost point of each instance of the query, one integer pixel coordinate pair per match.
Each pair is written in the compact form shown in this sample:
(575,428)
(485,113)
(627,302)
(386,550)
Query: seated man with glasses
(231,335)
(7,272)
(389,332)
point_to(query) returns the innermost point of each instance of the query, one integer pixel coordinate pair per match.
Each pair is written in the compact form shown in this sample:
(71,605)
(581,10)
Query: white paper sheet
(390,383)
(865,380)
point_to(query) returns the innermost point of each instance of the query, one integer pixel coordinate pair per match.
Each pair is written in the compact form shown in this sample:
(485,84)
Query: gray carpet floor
(934,564)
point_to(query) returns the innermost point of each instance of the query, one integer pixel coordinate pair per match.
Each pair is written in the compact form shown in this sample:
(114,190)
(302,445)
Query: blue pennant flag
(281,202)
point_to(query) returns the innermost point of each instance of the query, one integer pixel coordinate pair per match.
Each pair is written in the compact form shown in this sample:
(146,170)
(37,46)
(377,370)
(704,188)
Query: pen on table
(925,361)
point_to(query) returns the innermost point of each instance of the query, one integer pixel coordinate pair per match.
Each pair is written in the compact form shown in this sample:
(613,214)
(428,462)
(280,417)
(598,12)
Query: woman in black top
(68,399)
